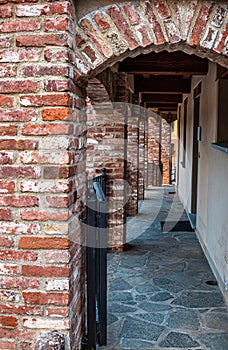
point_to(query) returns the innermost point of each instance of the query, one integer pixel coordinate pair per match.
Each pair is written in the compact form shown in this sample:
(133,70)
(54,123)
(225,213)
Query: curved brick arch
(117,31)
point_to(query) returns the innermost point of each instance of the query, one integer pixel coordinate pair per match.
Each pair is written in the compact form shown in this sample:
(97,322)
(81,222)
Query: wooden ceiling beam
(162,84)
(164,98)
(165,63)
(165,106)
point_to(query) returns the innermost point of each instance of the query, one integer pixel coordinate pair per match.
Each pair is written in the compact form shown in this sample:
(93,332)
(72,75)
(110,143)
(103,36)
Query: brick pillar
(106,148)
(166,151)
(41,188)
(153,148)
(141,180)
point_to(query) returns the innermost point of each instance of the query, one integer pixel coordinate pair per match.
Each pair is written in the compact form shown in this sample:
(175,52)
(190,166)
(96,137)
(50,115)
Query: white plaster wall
(212,204)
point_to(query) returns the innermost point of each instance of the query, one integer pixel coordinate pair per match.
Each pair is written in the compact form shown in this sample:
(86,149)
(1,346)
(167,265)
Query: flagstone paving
(157,292)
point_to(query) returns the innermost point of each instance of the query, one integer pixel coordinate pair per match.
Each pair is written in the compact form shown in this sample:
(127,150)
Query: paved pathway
(157,292)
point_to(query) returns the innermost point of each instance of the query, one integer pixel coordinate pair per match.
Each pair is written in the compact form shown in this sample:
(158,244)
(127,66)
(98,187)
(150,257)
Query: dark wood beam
(166,106)
(162,84)
(222,72)
(165,63)
(164,98)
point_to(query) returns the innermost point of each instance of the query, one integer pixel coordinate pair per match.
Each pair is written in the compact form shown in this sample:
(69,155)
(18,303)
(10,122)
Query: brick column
(141,180)
(166,151)
(41,187)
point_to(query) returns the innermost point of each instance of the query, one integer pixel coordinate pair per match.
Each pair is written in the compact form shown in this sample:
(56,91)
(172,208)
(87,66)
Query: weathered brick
(18,115)
(17,255)
(162,8)
(42,40)
(6,101)
(20,283)
(42,9)
(220,42)
(11,172)
(6,242)
(57,311)
(120,22)
(102,24)
(19,228)
(131,13)
(59,284)
(18,86)
(9,296)
(8,130)
(40,71)
(47,129)
(56,229)
(46,100)
(155,25)
(20,55)
(55,114)
(5,11)
(56,85)
(61,55)
(8,269)
(55,24)
(28,157)
(143,35)
(7,70)
(45,298)
(62,257)
(5,158)
(12,144)
(17,334)
(43,243)
(21,310)
(30,215)
(200,23)
(172,31)
(44,323)
(56,172)
(59,202)
(8,321)
(8,345)
(20,26)
(6,42)
(46,186)
(6,214)
(18,201)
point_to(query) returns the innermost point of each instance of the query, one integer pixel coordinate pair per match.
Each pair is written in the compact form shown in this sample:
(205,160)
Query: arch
(114,32)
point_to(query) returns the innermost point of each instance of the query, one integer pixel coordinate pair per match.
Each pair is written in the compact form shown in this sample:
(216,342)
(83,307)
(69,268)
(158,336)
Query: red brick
(55,24)
(30,10)
(8,345)
(17,115)
(57,56)
(132,14)
(162,8)
(18,201)
(8,130)
(45,298)
(5,11)
(5,158)
(101,22)
(56,172)
(45,271)
(21,310)
(6,101)
(56,85)
(8,321)
(146,40)
(7,186)
(19,26)
(18,145)
(57,311)
(8,269)
(42,40)
(43,243)
(220,43)
(6,42)
(30,215)
(122,26)
(40,71)
(46,100)
(200,23)
(55,114)
(7,70)
(6,242)
(20,55)
(17,255)
(59,202)
(160,39)
(19,172)
(18,283)
(49,186)
(19,228)
(6,215)
(18,86)
(17,334)
(61,257)
(46,129)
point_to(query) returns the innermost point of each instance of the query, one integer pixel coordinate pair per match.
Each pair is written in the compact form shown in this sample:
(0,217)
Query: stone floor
(157,292)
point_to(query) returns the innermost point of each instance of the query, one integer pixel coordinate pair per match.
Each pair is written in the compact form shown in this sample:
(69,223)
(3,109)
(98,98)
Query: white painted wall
(212,205)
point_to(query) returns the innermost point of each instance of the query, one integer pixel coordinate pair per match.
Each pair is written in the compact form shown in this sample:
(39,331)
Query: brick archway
(117,31)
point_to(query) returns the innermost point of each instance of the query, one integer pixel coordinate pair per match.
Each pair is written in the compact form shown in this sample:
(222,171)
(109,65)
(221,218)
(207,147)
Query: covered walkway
(161,291)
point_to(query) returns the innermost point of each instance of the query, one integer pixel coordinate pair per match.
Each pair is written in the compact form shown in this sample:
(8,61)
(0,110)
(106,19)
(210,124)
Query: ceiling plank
(164,98)
(165,106)
(162,84)
(165,63)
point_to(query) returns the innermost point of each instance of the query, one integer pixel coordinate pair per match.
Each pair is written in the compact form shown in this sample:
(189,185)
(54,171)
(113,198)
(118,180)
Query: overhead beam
(165,63)
(162,84)
(165,106)
(164,98)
